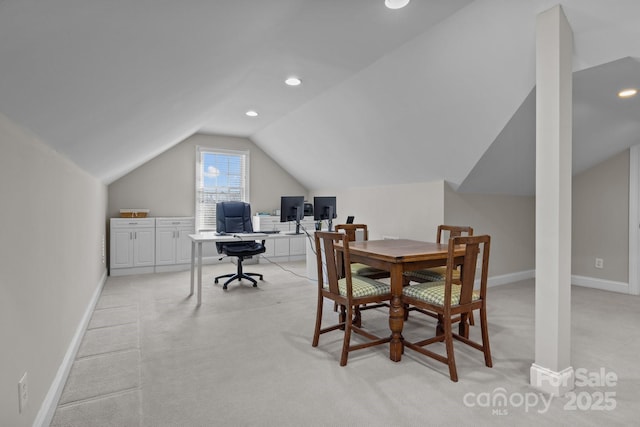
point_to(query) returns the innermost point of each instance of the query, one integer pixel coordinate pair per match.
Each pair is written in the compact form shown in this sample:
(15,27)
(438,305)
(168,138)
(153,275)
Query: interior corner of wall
(450,186)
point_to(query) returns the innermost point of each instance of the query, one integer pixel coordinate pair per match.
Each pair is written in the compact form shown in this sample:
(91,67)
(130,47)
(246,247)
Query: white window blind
(221,176)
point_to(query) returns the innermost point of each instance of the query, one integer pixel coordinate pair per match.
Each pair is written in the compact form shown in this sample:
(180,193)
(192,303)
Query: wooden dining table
(398,256)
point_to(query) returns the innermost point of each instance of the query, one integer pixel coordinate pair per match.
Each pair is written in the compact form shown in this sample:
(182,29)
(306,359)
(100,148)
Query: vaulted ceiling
(437,90)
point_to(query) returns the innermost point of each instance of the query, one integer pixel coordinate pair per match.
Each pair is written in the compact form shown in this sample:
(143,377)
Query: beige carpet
(244,358)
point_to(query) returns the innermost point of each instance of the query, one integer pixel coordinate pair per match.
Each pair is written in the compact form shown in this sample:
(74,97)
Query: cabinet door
(183,250)
(269,223)
(121,248)
(144,247)
(281,247)
(165,246)
(270,250)
(297,245)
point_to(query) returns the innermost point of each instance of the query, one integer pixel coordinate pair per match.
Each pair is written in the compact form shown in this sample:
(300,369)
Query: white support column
(634,219)
(552,371)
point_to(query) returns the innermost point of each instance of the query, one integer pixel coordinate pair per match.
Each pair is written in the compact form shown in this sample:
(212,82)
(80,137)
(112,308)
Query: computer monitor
(324,208)
(292,209)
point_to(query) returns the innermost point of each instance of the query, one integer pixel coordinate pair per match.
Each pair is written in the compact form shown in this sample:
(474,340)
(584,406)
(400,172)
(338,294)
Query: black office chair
(235,217)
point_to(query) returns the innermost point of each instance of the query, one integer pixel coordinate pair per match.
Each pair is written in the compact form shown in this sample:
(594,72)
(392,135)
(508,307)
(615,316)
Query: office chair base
(234,276)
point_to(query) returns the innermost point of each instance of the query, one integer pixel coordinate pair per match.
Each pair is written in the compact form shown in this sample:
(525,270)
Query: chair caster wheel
(255,285)
(224,287)
(215,281)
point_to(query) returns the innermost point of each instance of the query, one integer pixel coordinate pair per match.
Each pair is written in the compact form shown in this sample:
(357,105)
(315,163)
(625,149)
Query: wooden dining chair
(454,300)
(351,230)
(348,291)
(436,274)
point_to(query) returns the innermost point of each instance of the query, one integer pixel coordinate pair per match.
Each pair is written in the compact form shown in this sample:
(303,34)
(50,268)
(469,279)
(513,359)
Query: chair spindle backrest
(351,230)
(474,246)
(454,231)
(325,243)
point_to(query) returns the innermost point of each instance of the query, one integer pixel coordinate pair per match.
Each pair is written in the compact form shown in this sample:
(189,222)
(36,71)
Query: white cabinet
(269,222)
(284,245)
(173,246)
(297,245)
(132,244)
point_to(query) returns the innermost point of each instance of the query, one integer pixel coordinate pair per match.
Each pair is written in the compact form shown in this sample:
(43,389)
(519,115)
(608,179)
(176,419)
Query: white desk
(200,238)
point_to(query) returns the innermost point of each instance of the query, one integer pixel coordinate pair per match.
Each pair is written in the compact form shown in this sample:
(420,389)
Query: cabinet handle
(131,235)
(133,223)
(176,223)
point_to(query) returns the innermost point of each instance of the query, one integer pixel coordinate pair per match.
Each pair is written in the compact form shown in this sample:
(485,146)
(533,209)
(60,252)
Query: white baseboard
(208,260)
(548,381)
(605,285)
(171,268)
(505,279)
(50,403)
(132,270)
(587,282)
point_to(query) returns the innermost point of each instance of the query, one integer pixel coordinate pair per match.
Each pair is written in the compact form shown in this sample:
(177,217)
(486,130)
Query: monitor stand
(297,229)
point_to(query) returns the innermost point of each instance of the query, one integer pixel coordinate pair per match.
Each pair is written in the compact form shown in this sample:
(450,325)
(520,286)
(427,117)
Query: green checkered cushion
(364,269)
(363,287)
(435,274)
(433,293)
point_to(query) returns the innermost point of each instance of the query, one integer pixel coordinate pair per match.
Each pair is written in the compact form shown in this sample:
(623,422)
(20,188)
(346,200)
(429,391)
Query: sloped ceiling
(437,90)
(603,125)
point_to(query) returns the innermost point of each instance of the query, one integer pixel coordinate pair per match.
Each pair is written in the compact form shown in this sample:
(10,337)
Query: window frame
(202,224)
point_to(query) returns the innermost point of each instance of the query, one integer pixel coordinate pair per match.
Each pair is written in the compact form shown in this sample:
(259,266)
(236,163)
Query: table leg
(396,314)
(199,273)
(193,262)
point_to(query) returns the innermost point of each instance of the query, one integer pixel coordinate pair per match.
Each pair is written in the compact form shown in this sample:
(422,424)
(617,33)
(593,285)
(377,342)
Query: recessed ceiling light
(396,4)
(627,93)
(252,113)
(293,81)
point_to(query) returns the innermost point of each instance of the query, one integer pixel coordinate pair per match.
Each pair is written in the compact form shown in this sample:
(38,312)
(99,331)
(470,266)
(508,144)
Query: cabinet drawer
(132,222)
(269,223)
(175,222)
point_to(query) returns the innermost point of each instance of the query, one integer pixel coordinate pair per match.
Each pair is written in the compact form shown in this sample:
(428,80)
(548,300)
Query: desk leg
(193,262)
(396,314)
(199,273)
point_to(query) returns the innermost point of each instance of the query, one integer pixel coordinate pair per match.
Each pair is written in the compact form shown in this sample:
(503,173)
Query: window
(221,176)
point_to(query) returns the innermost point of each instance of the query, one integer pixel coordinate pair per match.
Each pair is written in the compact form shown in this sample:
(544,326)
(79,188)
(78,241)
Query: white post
(552,371)
(634,219)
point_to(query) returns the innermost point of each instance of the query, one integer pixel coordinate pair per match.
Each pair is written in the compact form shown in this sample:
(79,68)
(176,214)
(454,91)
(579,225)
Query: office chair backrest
(233,217)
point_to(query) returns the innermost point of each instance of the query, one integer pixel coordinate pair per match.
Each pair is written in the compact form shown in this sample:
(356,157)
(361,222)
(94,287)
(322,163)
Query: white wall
(509,220)
(414,211)
(601,220)
(600,225)
(409,211)
(53,220)
(166,184)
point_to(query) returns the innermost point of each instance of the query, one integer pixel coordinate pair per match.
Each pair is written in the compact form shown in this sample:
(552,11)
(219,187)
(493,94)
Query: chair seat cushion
(433,293)
(364,269)
(435,274)
(243,249)
(363,287)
